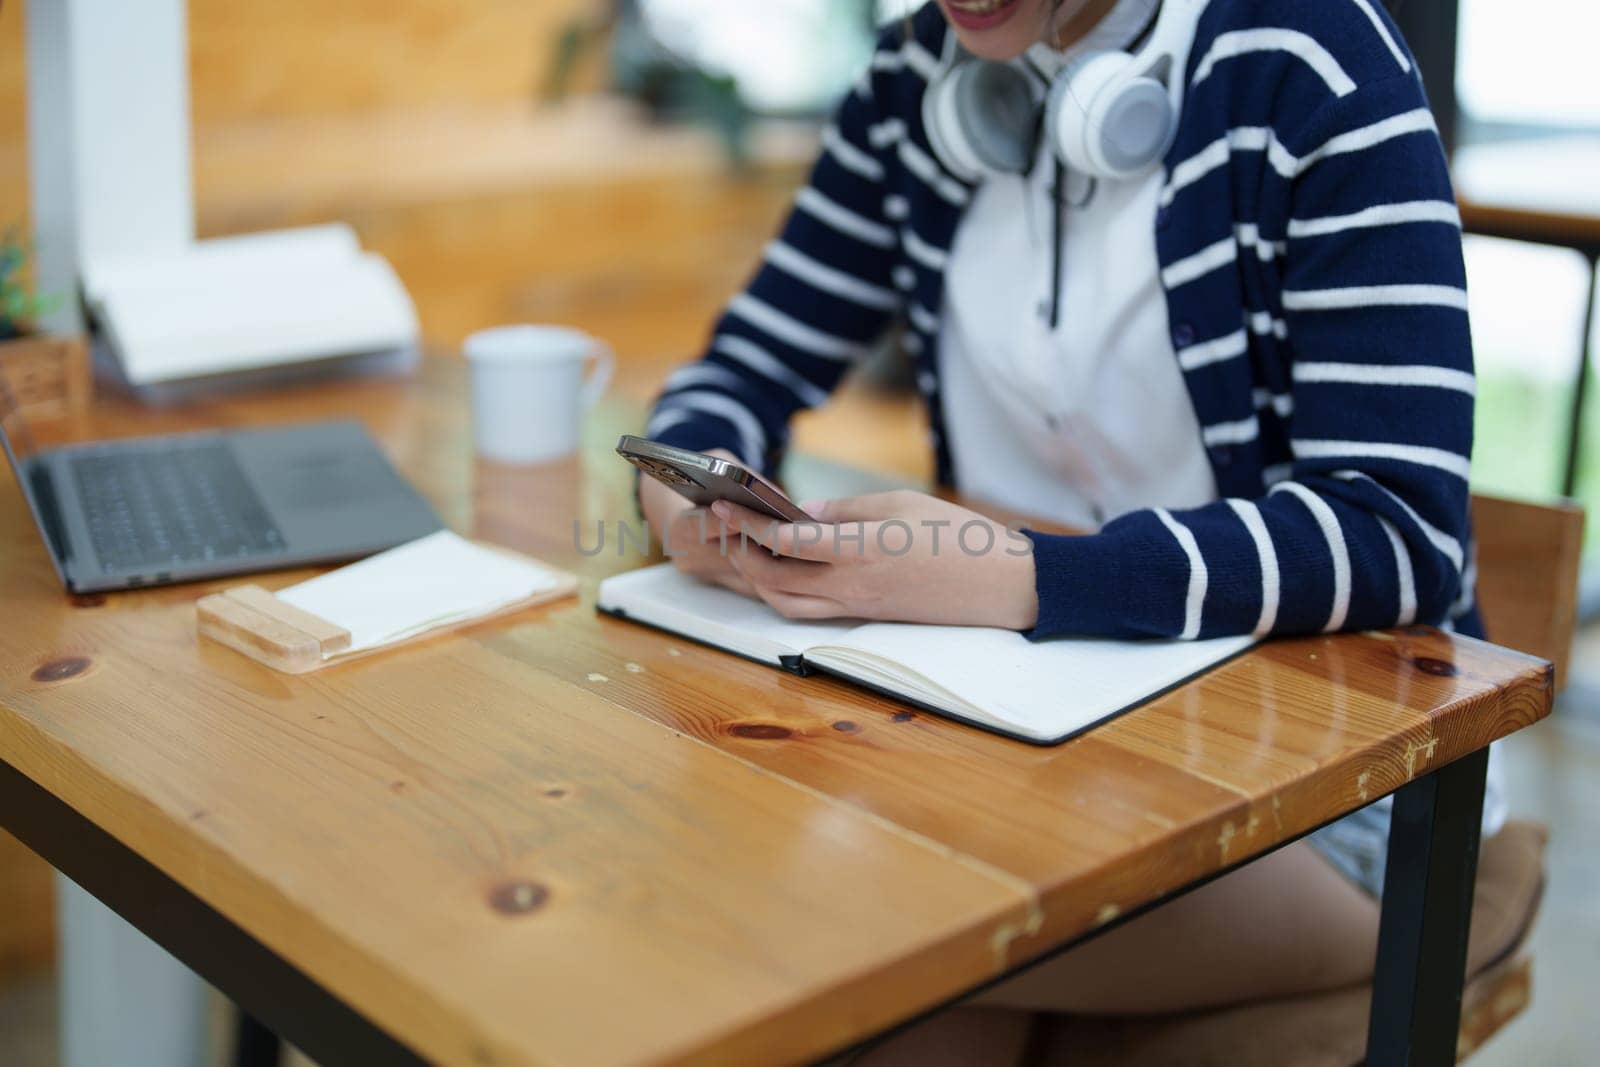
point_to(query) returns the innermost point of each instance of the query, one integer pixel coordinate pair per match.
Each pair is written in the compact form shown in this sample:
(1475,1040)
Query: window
(1530,63)
(783,55)
(1524,83)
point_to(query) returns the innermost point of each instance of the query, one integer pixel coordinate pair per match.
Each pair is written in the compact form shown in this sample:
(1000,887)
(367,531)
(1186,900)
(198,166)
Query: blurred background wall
(421,123)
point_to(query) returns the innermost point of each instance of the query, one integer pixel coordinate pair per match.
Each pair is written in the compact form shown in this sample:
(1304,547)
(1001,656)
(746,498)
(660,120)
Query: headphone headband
(1164,55)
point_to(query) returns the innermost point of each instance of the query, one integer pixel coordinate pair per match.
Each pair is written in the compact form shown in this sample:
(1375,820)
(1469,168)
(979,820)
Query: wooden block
(258,635)
(331,637)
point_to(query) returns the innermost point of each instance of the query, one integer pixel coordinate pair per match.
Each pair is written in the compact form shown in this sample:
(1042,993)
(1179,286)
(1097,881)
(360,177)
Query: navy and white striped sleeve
(820,298)
(1368,525)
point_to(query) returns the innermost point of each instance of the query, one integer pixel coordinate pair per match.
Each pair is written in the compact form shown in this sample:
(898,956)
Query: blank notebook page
(1049,687)
(664,596)
(430,582)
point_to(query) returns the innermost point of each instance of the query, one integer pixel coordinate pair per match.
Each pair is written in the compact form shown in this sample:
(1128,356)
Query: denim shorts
(1358,844)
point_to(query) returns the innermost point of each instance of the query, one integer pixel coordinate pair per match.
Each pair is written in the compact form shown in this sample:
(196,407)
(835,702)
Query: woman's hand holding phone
(693,534)
(901,556)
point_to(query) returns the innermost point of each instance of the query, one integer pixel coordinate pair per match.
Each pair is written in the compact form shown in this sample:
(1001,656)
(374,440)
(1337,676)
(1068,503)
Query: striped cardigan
(1310,253)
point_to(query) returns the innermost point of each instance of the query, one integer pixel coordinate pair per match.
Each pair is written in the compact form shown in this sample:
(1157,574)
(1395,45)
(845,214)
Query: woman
(1242,359)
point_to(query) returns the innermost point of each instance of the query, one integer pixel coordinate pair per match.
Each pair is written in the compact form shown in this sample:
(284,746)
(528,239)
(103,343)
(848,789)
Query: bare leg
(1286,924)
(959,1037)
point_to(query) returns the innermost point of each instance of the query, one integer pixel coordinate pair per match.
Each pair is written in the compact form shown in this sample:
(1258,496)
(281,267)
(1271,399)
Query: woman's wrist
(1016,594)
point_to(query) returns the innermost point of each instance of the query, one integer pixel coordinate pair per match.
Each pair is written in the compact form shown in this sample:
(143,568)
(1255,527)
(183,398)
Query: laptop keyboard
(182,503)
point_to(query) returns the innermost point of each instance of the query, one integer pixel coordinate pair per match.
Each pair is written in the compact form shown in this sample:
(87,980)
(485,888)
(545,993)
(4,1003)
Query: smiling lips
(980,14)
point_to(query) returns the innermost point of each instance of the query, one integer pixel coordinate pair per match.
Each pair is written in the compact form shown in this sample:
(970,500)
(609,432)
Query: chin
(996,29)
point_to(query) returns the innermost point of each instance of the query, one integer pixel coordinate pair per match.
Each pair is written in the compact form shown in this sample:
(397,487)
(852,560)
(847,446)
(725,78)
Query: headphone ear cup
(982,118)
(999,109)
(1105,123)
(1071,115)
(942,123)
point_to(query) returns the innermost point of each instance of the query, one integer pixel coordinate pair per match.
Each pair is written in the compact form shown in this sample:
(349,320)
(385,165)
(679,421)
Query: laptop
(182,507)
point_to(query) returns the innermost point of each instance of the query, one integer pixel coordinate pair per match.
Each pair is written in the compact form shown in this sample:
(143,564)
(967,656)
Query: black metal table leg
(1580,386)
(1427,913)
(254,1045)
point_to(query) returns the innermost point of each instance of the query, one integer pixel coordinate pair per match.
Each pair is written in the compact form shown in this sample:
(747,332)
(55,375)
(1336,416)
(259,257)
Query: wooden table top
(562,838)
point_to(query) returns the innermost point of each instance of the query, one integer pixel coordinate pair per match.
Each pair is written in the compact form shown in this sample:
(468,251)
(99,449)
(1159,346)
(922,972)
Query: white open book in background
(1044,692)
(244,303)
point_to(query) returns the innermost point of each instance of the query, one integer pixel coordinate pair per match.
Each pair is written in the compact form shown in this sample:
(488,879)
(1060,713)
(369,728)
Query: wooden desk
(561,838)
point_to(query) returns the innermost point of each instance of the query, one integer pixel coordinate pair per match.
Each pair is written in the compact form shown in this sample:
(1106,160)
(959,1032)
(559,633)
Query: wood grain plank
(469,849)
(1235,763)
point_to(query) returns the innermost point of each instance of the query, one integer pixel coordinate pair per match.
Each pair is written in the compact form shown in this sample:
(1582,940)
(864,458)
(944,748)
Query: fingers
(694,545)
(791,606)
(796,572)
(708,564)
(694,527)
(819,542)
(661,506)
(739,521)
(814,541)
(782,573)
(732,579)
(727,578)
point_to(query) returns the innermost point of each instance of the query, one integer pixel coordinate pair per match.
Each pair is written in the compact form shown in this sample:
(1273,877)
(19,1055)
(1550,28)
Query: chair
(1528,556)
(1527,585)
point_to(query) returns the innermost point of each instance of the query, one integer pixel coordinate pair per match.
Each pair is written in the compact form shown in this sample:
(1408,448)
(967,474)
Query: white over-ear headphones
(1109,114)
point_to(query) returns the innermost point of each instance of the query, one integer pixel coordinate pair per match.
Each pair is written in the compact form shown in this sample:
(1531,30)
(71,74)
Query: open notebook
(1044,692)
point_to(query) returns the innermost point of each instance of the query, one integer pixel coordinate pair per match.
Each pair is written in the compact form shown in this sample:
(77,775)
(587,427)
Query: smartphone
(706,479)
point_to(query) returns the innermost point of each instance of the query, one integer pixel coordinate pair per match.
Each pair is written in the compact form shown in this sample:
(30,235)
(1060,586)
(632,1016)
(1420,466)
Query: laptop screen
(31,474)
